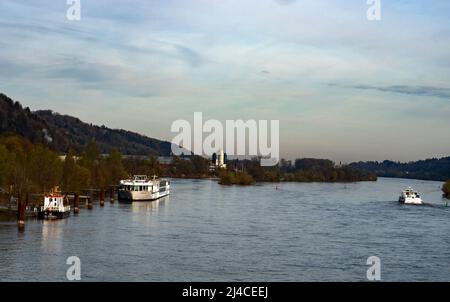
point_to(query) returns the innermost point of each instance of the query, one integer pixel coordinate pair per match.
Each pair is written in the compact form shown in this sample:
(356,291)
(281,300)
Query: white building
(218,161)
(221,160)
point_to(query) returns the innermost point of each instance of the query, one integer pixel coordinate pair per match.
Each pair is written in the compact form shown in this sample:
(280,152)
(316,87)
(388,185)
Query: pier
(28,205)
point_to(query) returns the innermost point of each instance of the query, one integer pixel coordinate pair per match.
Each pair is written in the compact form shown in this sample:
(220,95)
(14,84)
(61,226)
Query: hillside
(429,169)
(63,132)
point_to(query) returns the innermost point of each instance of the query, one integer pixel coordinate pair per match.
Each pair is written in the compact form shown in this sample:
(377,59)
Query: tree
(446,189)
(6,166)
(90,160)
(45,168)
(154,168)
(235,178)
(90,155)
(114,168)
(74,177)
(19,148)
(200,165)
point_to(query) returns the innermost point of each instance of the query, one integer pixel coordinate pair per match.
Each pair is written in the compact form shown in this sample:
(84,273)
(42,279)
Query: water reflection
(146,206)
(52,235)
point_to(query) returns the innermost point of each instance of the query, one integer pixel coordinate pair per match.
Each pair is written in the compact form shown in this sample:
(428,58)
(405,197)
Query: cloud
(285,2)
(424,91)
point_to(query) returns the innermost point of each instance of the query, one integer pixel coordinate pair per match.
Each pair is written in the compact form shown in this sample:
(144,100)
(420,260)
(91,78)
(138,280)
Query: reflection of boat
(410,196)
(140,188)
(54,206)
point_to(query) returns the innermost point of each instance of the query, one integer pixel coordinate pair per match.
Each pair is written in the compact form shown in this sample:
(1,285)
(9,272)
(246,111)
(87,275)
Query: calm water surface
(206,232)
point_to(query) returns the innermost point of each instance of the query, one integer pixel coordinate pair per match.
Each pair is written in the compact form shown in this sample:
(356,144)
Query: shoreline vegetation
(437,169)
(302,170)
(35,168)
(229,178)
(446,189)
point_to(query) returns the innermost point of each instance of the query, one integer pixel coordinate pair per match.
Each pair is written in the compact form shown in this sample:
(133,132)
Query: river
(268,232)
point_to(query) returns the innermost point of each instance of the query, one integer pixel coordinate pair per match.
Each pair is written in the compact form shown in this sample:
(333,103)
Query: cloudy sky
(342,87)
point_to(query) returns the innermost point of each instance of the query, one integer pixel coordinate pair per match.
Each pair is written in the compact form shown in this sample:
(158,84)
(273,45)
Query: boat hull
(53,214)
(413,201)
(141,196)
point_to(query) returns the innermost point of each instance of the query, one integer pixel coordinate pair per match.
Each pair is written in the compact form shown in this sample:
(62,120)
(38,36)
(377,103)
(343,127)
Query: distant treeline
(430,169)
(302,170)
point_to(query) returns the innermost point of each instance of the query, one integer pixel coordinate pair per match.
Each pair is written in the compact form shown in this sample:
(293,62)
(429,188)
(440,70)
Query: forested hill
(429,169)
(63,132)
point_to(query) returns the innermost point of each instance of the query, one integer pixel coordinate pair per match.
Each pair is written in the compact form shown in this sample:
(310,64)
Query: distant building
(219,161)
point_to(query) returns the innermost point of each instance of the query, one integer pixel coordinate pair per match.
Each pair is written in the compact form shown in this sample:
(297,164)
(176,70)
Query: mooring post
(21,208)
(102,197)
(76,204)
(90,200)
(113,195)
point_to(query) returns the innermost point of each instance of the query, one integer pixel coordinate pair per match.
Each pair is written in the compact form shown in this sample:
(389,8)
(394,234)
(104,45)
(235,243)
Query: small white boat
(140,188)
(54,207)
(410,196)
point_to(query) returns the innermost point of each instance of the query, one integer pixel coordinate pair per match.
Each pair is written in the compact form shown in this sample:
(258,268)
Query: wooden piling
(102,197)
(90,200)
(76,204)
(21,209)
(112,195)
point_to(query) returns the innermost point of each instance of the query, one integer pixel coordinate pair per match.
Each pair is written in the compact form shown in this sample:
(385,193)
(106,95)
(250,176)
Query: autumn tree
(113,168)
(6,166)
(45,168)
(19,173)
(75,177)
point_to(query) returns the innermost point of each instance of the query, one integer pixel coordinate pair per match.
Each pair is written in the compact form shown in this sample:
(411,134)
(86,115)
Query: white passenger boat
(140,188)
(54,207)
(410,196)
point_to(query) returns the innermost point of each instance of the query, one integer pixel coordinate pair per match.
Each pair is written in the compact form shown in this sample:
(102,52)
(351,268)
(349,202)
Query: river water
(269,232)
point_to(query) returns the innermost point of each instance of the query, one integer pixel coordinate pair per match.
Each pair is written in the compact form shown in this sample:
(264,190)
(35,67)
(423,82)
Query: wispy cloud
(425,91)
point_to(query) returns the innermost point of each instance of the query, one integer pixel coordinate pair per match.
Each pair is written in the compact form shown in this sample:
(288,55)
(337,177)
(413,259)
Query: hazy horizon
(343,87)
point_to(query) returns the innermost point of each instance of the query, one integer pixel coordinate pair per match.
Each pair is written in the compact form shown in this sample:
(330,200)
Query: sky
(342,87)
